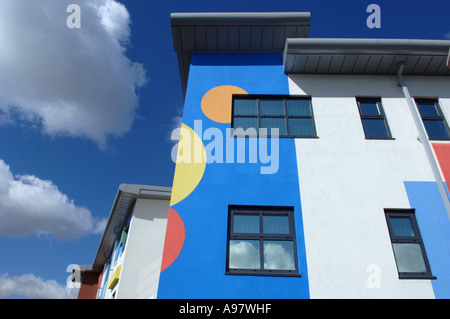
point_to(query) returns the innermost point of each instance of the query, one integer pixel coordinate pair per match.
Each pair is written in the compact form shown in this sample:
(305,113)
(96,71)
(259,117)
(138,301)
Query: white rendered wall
(346,182)
(144,249)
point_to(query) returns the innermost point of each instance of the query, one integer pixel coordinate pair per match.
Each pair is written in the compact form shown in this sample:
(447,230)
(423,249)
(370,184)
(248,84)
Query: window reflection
(262,241)
(244,254)
(279,255)
(409,258)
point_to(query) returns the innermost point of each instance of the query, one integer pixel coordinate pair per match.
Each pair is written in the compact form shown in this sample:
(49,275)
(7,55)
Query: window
(433,119)
(373,118)
(407,244)
(261,241)
(292,116)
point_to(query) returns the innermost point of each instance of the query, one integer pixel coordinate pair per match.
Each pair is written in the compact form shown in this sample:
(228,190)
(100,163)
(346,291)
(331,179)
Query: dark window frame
(416,239)
(381,116)
(262,211)
(440,117)
(258,115)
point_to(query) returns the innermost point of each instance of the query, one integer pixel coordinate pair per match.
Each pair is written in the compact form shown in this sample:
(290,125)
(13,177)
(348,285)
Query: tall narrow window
(373,118)
(433,119)
(292,116)
(407,244)
(261,241)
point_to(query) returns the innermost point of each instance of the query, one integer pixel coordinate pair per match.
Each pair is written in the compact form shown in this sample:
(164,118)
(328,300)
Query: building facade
(305,168)
(349,202)
(128,259)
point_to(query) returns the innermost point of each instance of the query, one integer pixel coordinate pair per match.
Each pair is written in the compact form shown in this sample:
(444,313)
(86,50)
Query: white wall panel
(346,182)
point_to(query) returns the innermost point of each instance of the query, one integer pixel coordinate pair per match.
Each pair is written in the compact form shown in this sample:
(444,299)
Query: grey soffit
(219,32)
(121,210)
(366,56)
(233,32)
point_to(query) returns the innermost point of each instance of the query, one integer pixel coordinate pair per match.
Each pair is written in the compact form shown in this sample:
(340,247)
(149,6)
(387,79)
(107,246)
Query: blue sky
(84,110)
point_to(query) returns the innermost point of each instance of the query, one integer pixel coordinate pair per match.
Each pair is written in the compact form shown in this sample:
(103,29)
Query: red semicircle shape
(174,241)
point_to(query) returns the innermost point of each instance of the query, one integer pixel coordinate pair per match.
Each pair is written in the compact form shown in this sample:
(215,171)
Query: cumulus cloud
(244,254)
(29,286)
(70,81)
(278,255)
(30,205)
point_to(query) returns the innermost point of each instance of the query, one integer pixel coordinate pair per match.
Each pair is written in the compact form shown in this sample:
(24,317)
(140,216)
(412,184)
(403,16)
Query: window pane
(279,255)
(245,223)
(269,123)
(301,127)
(271,107)
(245,123)
(369,108)
(245,107)
(298,107)
(436,129)
(401,226)
(428,108)
(244,254)
(275,224)
(409,257)
(375,128)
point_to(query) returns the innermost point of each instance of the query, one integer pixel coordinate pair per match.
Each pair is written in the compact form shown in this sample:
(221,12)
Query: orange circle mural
(216,103)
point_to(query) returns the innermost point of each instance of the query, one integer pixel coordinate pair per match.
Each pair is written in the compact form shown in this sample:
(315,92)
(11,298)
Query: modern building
(128,259)
(306,168)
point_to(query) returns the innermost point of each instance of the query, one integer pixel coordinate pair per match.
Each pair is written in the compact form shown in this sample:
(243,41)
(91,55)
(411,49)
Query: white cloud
(175,127)
(30,205)
(277,257)
(75,82)
(244,254)
(447,35)
(29,286)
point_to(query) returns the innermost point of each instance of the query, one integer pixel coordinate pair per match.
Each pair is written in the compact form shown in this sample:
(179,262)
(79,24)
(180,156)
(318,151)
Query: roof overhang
(288,32)
(233,32)
(126,197)
(366,56)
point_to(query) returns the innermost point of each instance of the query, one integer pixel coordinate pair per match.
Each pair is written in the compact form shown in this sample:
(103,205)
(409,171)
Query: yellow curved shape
(190,164)
(216,103)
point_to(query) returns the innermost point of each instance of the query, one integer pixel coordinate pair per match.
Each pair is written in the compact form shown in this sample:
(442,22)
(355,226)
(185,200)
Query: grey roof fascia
(380,46)
(429,57)
(122,207)
(240,18)
(233,32)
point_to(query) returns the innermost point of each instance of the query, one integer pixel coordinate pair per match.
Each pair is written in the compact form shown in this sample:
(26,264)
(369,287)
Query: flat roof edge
(146,191)
(366,46)
(240,18)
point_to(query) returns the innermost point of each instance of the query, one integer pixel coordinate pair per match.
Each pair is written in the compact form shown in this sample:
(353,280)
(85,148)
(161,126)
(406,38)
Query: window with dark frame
(373,118)
(292,116)
(261,241)
(407,245)
(433,119)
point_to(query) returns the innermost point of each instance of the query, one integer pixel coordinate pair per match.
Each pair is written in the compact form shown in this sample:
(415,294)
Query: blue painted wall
(199,270)
(434,227)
